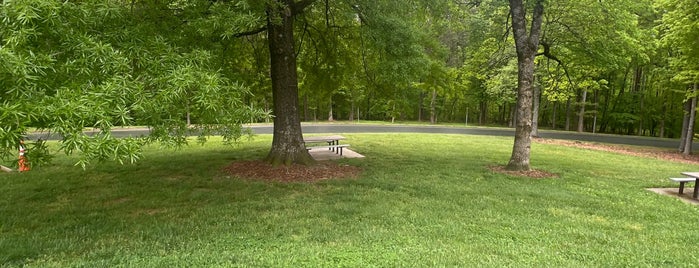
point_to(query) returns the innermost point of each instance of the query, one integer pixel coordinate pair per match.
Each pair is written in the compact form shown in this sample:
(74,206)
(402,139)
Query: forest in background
(625,67)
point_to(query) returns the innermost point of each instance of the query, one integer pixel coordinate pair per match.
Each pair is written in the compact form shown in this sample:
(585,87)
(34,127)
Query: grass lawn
(423,200)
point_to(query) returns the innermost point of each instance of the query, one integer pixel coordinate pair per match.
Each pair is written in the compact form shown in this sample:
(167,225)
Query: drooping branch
(251,32)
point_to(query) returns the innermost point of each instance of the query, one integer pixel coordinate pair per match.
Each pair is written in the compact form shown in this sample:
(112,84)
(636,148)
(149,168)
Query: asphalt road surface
(486,131)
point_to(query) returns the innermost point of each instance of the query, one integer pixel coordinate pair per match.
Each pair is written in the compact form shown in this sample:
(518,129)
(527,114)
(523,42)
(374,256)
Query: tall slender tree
(527,46)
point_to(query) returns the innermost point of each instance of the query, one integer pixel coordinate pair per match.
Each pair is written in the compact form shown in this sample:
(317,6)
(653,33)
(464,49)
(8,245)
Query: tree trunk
(433,107)
(581,114)
(690,128)
(535,110)
(567,128)
(689,137)
(419,106)
(596,101)
(330,113)
(553,115)
(287,142)
(305,108)
(640,120)
(603,125)
(662,120)
(351,113)
(685,123)
(483,113)
(526,46)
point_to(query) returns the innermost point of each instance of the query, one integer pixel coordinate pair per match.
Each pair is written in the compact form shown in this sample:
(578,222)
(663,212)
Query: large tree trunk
(527,46)
(287,143)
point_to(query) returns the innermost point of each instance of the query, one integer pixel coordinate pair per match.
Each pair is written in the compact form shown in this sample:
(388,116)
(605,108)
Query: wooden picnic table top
(323,138)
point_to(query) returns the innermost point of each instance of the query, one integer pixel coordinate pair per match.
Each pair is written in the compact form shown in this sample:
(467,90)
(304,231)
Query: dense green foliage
(610,66)
(99,64)
(418,202)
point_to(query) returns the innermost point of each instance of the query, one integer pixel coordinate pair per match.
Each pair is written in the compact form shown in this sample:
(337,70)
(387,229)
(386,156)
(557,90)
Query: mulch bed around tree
(324,170)
(658,153)
(534,174)
(261,170)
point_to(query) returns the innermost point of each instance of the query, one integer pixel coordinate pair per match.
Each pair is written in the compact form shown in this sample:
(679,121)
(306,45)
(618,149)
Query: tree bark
(433,108)
(689,137)
(567,128)
(581,113)
(483,113)
(330,113)
(690,128)
(419,106)
(351,113)
(685,123)
(535,111)
(594,120)
(526,46)
(603,125)
(287,142)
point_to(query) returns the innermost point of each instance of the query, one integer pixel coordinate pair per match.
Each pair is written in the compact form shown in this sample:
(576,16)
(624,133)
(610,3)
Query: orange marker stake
(22,163)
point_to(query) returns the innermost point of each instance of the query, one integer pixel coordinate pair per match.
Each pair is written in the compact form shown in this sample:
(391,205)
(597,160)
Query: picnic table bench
(333,143)
(692,177)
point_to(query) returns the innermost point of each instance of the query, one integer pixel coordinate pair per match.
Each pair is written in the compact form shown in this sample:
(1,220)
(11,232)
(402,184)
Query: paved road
(360,128)
(486,131)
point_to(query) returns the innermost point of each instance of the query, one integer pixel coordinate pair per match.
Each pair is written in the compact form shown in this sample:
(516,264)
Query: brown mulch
(657,153)
(534,174)
(261,170)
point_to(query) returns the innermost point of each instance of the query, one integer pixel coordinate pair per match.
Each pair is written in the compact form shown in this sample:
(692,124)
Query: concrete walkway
(322,154)
(674,192)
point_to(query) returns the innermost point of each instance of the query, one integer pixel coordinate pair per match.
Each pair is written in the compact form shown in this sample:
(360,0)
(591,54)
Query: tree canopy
(204,67)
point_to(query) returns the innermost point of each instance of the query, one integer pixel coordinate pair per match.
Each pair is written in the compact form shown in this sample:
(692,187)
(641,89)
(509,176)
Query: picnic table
(695,176)
(333,142)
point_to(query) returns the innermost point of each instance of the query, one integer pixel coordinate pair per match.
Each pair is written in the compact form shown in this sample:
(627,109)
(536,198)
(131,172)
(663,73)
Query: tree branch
(251,32)
(537,19)
(547,54)
(298,7)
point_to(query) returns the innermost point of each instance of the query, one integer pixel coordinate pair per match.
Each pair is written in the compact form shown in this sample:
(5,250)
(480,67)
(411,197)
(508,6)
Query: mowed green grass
(423,200)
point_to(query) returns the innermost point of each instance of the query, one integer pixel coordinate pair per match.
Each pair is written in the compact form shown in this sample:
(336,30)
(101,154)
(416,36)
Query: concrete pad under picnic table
(674,192)
(321,154)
